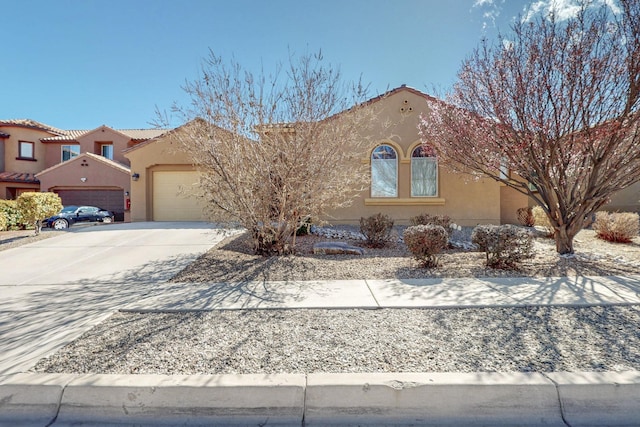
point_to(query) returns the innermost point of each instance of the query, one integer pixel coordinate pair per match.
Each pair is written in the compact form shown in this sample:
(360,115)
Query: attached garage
(112,200)
(173,196)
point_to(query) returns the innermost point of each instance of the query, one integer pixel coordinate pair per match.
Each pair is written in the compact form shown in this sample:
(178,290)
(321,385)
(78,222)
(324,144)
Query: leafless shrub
(426,242)
(541,219)
(504,245)
(525,216)
(427,219)
(376,229)
(616,227)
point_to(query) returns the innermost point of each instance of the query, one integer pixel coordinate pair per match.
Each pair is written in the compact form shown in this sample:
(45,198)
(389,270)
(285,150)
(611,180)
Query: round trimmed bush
(426,242)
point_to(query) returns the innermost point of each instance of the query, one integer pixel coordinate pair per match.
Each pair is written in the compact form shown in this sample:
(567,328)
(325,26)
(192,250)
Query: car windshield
(68,209)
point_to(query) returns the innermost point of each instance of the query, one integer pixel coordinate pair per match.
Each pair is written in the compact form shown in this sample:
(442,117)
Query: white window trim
(102,146)
(435,160)
(395,195)
(71,157)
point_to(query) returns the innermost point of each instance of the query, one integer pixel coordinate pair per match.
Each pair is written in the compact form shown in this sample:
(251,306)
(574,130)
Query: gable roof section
(134,134)
(402,88)
(18,177)
(32,124)
(166,132)
(110,163)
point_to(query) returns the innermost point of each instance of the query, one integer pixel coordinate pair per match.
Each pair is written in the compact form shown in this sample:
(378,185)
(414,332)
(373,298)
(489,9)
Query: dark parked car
(70,215)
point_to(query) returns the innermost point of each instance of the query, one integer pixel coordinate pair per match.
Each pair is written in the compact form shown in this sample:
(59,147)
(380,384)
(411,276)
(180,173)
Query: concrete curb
(462,399)
(470,399)
(599,398)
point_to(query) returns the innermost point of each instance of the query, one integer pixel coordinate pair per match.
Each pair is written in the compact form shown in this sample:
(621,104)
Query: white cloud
(562,9)
(490,11)
(480,3)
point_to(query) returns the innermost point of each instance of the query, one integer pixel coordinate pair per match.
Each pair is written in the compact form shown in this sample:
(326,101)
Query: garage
(112,200)
(173,198)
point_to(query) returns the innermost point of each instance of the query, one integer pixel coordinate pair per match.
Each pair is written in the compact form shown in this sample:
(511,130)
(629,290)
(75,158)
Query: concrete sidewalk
(575,399)
(391,293)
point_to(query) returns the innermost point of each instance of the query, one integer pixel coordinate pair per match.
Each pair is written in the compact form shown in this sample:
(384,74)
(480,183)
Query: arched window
(424,173)
(384,172)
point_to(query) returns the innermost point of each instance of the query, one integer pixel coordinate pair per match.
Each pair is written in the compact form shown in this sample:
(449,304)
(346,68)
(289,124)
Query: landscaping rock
(336,248)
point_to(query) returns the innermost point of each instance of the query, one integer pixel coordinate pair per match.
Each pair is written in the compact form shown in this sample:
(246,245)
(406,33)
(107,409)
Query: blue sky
(78,64)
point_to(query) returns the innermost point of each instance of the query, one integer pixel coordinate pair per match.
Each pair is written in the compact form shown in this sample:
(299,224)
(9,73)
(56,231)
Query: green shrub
(426,242)
(504,245)
(12,214)
(541,219)
(616,227)
(443,221)
(35,207)
(3,221)
(525,217)
(376,229)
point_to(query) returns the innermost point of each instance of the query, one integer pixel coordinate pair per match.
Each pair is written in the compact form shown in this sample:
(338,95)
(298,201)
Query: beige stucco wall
(158,155)
(466,200)
(11,149)
(627,200)
(90,143)
(97,174)
(510,201)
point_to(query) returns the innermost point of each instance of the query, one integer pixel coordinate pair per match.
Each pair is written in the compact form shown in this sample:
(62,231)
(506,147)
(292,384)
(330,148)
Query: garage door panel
(112,200)
(174,196)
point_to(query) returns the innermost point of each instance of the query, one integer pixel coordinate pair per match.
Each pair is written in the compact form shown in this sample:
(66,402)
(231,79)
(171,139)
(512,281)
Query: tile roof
(135,134)
(119,166)
(32,124)
(18,177)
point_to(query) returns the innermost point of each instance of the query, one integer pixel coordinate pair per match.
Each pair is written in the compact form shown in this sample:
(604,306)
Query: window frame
(102,147)
(434,159)
(62,159)
(396,167)
(21,153)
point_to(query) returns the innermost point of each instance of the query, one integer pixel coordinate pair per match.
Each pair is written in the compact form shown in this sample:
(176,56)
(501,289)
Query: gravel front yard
(232,260)
(541,339)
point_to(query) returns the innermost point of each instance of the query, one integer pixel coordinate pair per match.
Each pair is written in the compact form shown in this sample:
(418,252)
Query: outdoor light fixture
(83,179)
(135,176)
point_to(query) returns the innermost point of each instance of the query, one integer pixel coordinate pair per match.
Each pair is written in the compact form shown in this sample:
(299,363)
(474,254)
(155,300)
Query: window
(384,172)
(25,150)
(106,150)
(424,174)
(504,169)
(69,152)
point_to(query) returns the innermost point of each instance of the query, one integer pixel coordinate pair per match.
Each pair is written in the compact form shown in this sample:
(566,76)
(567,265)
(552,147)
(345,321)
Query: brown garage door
(112,200)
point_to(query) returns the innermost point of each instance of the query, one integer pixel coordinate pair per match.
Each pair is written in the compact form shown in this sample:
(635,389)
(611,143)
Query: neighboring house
(84,167)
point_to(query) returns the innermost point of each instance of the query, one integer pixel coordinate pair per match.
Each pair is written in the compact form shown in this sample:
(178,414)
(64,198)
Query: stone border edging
(561,398)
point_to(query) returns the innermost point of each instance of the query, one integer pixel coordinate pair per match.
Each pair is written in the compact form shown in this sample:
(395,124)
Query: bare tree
(275,151)
(557,104)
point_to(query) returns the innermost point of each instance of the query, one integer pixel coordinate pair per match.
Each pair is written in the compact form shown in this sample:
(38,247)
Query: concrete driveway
(55,289)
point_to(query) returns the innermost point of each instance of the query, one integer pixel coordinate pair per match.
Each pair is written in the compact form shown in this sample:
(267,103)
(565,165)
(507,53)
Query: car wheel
(60,224)
(107,219)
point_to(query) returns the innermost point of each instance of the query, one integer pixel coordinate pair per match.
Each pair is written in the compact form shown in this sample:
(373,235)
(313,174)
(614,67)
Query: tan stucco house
(84,167)
(106,167)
